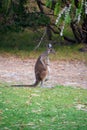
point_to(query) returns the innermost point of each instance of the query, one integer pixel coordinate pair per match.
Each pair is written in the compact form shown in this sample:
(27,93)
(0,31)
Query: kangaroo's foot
(46,79)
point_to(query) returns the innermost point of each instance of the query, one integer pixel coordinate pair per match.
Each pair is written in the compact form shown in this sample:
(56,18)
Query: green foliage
(16,18)
(57,9)
(67,18)
(43,108)
(33,20)
(9,11)
(6,5)
(49,3)
(15,13)
(68,12)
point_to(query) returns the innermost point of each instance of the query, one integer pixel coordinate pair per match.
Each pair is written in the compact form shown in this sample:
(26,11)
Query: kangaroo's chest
(45,60)
(42,63)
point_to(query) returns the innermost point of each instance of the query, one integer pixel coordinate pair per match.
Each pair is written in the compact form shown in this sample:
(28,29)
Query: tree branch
(41,40)
(65,37)
(69,39)
(74,32)
(39,3)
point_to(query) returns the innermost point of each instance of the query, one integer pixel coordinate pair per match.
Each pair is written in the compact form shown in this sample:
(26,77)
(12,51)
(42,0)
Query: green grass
(71,53)
(22,44)
(43,108)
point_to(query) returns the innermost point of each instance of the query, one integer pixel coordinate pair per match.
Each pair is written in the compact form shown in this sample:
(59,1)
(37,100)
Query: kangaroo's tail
(32,85)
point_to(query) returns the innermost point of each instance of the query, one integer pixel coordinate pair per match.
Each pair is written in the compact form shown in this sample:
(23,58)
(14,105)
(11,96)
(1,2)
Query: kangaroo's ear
(49,45)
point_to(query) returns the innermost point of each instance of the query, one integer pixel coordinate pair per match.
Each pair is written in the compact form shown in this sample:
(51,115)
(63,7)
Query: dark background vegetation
(34,17)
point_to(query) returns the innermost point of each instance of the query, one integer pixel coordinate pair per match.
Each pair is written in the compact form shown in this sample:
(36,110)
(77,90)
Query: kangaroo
(41,67)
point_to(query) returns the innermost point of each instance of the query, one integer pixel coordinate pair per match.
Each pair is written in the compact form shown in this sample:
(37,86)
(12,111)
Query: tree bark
(84,30)
(74,30)
(39,3)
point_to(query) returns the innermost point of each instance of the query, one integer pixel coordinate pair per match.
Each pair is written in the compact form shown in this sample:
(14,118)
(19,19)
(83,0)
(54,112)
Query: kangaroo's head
(50,49)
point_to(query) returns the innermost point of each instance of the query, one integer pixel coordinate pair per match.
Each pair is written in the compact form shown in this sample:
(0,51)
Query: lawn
(58,108)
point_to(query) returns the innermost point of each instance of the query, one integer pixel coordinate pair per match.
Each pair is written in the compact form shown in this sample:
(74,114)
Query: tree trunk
(49,33)
(84,30)
(80,31)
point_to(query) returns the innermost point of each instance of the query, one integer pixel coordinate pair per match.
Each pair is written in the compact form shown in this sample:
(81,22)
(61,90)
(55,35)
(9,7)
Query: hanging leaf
(6,5)
(77,12)
(67,19)
(49,3)
(57,9)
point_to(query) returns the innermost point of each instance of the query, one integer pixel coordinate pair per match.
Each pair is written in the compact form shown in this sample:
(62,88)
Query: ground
(14,70)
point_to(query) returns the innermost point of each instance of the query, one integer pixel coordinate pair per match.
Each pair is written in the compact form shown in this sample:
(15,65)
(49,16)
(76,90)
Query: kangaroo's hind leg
(48,73)
(43,75)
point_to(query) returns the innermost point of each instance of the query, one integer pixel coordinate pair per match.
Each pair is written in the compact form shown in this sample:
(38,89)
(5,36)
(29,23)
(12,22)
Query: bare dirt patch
(14,70)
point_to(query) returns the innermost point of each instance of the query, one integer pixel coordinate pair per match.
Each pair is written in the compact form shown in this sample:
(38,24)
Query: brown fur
(41,69)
